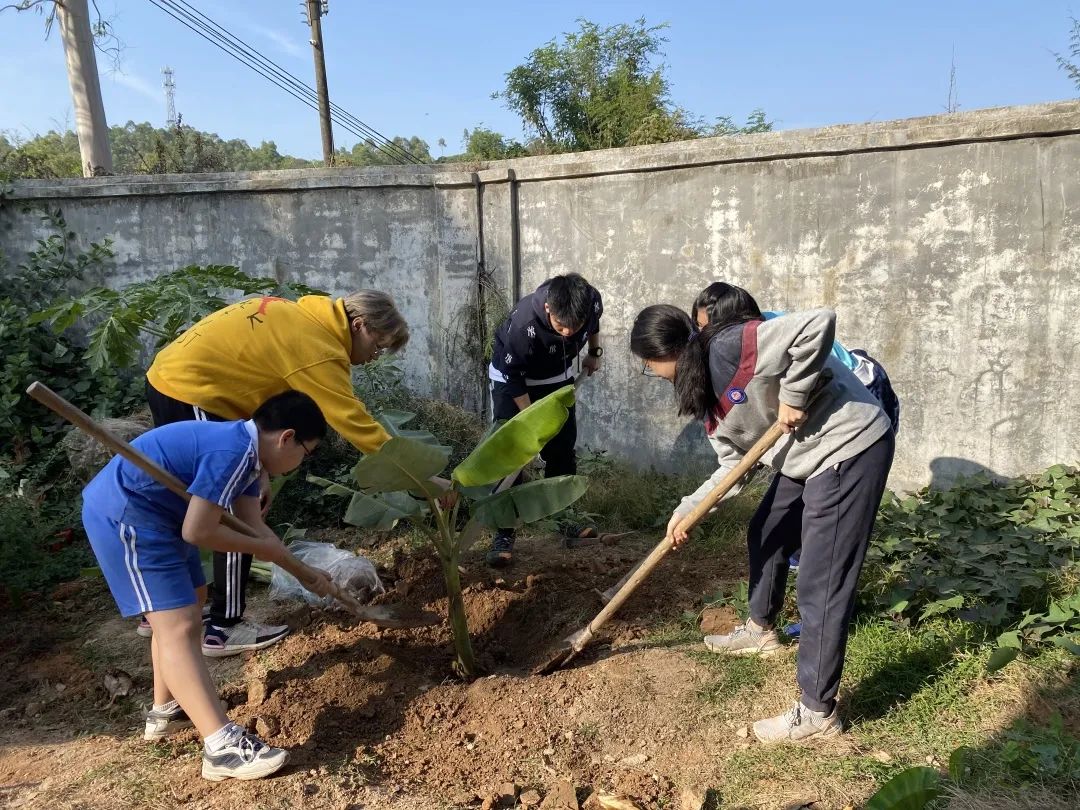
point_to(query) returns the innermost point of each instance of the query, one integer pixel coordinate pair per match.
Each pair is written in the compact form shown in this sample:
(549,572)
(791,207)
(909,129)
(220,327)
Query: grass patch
(734,677)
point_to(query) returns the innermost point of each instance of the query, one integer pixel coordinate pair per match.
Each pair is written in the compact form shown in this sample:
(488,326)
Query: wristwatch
(596,351)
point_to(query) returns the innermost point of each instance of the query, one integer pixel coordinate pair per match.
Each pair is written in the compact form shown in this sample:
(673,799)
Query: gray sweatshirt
(757,365)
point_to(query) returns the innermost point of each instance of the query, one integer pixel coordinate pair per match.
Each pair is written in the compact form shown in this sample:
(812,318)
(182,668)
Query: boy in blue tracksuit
(533,356)
(147,539)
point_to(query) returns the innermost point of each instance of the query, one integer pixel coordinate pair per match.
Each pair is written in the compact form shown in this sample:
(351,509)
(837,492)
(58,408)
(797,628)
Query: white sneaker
(221,642)
(247,757)
(746,639)
(797,723)
(160,725)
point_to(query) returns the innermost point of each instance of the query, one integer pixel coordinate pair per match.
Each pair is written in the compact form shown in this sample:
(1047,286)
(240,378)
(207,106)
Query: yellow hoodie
(233,360)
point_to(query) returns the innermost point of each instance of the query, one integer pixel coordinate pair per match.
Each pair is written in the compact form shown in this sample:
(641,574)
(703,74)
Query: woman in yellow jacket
(231,361)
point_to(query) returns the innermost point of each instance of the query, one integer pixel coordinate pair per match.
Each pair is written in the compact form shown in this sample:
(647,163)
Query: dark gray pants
(831,515)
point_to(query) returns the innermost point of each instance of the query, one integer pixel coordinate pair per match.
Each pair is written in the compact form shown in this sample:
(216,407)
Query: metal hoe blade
(396,617)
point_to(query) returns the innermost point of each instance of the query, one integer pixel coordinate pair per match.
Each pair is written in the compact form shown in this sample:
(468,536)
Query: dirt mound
(376,717)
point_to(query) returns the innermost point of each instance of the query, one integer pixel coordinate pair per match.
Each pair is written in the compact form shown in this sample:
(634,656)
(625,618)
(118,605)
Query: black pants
(558,454)
(831,515)
(231,568)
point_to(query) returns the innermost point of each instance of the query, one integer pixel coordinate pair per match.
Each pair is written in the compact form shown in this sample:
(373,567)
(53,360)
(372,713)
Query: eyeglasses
(308,453)
(648,372)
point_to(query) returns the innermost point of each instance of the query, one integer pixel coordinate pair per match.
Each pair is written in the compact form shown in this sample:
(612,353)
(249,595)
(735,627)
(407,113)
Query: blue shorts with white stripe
(145,569)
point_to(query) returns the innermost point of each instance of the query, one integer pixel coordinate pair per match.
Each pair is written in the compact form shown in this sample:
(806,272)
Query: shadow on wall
(946,471)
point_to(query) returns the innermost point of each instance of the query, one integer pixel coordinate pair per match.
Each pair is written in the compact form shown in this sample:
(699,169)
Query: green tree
(604,87)
(368,153)
(1071,68)
(145,149)
(486,144)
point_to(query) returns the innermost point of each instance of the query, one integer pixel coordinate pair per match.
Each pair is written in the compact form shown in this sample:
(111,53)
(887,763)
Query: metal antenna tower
(170,97)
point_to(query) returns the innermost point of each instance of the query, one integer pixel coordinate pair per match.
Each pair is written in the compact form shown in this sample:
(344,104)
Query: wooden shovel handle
(54,402)
(752,457)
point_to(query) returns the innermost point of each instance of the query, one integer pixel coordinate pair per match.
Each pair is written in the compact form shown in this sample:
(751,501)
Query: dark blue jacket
(528,351)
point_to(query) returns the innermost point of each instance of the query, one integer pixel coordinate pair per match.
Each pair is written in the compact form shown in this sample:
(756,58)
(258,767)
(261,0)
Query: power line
(286,81)
(267,64)
(281,78)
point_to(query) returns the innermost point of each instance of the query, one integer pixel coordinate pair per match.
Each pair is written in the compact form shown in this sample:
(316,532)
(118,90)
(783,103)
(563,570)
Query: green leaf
(393,421)
(1000,657)
(330,487)
(942,606)
(515,443)
(1010,639)
(911,789)
(529,502)
(399,464)
(1070,643)
(958,763)
(380,512)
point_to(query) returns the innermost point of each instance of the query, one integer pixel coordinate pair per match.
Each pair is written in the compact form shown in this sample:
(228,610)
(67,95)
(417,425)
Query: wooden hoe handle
(54,402)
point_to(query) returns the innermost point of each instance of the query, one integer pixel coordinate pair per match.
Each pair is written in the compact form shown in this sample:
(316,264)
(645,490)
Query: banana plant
(395,483)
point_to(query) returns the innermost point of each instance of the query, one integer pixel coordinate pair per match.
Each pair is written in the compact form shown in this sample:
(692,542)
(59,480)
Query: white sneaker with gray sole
(246,757)
(746,639)
(798,723)
(221,642)
(160,725)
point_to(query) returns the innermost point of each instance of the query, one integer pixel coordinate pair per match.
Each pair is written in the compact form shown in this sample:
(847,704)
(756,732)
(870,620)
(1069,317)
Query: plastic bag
(347,570)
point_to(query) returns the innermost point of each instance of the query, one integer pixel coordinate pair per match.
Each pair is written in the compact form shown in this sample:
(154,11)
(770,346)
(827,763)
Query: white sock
(166,708)
(222,737)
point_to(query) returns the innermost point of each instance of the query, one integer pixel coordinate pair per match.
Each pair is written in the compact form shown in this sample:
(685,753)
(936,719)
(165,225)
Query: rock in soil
(634,761)
(561,797)
(507,794)
(693,798)
(530,798)
(267,727)
(256,692)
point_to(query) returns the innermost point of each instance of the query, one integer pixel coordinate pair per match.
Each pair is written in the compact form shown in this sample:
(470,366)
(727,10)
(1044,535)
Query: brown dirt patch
(373,718)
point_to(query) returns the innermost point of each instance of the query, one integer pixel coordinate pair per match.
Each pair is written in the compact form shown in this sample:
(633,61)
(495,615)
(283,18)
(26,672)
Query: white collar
(253,432)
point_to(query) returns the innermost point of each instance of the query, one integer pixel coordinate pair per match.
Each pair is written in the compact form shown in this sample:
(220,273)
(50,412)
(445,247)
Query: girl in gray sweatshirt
(739,378)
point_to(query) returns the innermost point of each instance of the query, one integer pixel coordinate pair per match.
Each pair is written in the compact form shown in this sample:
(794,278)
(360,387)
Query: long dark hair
(725,303)
(665,332)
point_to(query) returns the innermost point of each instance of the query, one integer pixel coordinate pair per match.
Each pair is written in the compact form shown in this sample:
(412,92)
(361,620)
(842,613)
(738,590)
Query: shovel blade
(396,617)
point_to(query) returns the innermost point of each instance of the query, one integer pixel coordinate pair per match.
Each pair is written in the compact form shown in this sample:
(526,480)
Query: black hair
(665,332)
(725,304)
(292,410)
(569,299)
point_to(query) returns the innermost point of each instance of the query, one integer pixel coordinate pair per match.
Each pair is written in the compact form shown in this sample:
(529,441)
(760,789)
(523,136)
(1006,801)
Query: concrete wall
(948,246)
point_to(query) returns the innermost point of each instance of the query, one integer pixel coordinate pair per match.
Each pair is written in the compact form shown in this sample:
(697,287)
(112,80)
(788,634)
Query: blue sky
(429,68)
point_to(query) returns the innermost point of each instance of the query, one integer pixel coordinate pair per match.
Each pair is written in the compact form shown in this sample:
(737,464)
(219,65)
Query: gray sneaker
(247,757)
(221,642)
(746,639)
(160,725)
(797,723)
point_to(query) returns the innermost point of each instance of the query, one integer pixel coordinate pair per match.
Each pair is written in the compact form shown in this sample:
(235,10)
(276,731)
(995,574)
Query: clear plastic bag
(347,570)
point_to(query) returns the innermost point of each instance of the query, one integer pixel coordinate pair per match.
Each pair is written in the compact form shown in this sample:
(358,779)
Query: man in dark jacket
(534,355)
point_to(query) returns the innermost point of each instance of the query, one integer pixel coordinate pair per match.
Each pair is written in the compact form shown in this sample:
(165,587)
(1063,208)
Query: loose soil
(374,719)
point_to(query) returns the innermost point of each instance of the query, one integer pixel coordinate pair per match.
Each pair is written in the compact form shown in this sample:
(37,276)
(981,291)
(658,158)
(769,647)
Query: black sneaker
(246,757)
(502,551)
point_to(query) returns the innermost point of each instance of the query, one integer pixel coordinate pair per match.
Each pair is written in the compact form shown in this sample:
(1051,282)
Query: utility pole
(169,84)
(74,19)
(315,11)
